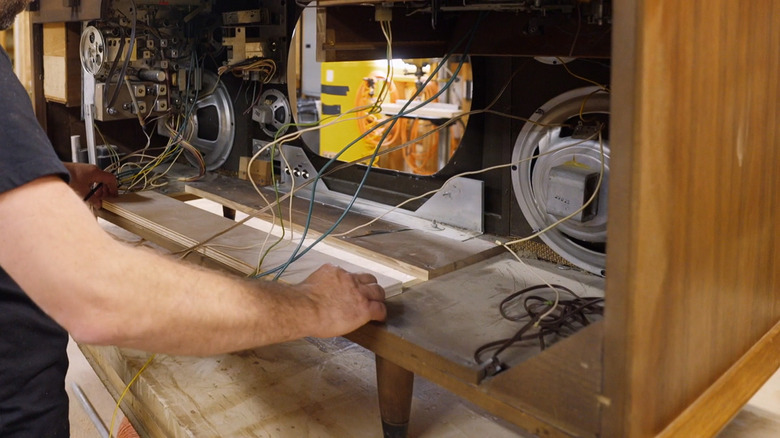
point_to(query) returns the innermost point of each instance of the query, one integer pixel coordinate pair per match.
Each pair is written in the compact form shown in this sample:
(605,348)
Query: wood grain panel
(693,259)
(735,386)
(445,319)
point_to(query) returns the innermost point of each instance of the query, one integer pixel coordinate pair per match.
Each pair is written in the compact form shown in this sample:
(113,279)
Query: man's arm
(104,292)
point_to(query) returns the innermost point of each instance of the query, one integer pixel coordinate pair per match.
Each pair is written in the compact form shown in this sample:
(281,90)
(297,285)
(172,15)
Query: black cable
(114,64)
(129,54)
(566,317)
(92,191)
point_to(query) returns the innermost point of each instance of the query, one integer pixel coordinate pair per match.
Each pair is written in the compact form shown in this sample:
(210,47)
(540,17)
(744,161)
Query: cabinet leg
(394,385)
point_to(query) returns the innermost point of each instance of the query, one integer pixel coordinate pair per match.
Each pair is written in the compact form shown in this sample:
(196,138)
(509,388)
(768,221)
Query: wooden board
(186,226)
(424,255)
(61,62)
(693,260)
(434,328)
(450,316)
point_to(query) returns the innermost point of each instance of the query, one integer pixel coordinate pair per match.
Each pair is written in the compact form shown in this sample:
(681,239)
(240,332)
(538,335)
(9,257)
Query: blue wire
(279,270)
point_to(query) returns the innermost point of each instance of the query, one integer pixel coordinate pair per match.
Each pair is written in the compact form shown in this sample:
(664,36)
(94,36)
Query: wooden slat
(129,232)
(693,262)
(186,226)
(423,255)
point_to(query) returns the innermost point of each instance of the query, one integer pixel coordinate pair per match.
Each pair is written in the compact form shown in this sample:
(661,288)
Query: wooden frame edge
(722,400)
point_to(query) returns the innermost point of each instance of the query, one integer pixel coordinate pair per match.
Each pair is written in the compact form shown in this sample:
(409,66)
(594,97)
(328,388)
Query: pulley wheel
(92,51)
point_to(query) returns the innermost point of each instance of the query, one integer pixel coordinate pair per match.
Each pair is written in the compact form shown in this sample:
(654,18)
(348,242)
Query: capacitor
(152,75)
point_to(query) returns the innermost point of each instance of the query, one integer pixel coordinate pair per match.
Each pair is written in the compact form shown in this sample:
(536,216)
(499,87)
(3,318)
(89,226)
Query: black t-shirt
(33,358)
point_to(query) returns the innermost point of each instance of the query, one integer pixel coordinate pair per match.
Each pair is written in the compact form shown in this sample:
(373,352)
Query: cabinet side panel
(693,270)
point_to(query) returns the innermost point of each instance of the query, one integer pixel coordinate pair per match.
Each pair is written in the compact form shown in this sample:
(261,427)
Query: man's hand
(83,177)
(342,301)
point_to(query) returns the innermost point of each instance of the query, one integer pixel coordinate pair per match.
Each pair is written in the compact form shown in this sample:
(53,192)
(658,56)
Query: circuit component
(570,187)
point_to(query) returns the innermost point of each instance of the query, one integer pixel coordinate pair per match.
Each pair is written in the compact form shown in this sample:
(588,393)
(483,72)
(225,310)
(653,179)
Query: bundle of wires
(325,170)
(544,320)
(265,67)
(127,57)
(298,252)
(370,117)
(143,173)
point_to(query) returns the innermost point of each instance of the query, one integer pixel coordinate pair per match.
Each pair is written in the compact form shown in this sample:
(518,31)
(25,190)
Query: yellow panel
(341,82)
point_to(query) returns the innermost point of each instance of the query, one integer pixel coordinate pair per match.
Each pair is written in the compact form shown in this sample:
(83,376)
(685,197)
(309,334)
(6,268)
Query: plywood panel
(422,254)
(693,247)
(434,328)
(450,316)
(238,248)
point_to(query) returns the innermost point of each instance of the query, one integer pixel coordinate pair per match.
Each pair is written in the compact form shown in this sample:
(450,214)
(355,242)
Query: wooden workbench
(304,388)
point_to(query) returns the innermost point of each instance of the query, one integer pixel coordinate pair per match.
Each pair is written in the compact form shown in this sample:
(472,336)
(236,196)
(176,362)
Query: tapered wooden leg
(394,385)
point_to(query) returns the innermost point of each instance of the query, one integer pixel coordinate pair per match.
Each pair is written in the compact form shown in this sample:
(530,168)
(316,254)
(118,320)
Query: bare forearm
(107,293)
(161,305)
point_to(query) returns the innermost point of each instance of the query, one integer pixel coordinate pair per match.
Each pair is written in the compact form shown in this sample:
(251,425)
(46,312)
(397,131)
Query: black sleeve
(25,151)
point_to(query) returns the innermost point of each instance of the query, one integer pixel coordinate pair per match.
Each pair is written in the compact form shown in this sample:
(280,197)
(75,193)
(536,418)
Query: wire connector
(383,13)
(490,368)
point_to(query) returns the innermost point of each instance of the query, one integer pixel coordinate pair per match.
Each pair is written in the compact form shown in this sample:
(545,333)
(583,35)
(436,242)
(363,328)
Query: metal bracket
(454,212)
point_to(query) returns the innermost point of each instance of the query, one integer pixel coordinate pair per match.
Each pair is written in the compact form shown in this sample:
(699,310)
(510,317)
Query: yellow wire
(472,172)
(604,87)
(339,119)
(127,388)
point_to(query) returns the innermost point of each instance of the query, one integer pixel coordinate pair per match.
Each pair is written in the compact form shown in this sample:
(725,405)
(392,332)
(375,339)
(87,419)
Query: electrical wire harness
(544,321)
